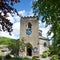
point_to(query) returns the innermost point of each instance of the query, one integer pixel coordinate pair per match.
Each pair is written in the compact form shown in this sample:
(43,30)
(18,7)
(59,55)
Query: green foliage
(50,12)
(21,58)
(47,51)
(55,57)
(18,58)
(11,43)
(0,57)
(5,41)
(14,46)
(26,58)
(34,58)
(46,54)
(54,49)
(22,45)
(6,6)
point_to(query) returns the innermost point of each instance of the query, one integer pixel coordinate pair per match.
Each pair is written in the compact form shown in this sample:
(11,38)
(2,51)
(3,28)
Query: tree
(6,7)
(50,12)
(12,44)
(22,45)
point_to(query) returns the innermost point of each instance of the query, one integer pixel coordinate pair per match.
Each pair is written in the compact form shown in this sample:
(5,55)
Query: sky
(24,8)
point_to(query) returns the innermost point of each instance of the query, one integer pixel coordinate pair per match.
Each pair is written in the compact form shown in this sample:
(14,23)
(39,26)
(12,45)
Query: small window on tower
(45,44)
(40,34)
(29,25)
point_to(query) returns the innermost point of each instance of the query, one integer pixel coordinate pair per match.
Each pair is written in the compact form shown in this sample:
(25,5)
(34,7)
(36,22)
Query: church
(36,44)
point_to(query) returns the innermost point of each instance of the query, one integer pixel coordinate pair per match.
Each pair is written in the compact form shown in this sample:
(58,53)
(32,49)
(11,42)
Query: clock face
(28,31)
(35,50)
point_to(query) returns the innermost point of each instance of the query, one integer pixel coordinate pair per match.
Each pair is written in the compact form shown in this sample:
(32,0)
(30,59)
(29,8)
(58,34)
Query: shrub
(55,57)
(0,57)
(26,58)
(34,58)
(46,54)
(18,58)
(8,57)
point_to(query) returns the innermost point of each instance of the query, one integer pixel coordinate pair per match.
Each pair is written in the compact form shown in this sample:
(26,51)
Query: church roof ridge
(44,38)
(40,30)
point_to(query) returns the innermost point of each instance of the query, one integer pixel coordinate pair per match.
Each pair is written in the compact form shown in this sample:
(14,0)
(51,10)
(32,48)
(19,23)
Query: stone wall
(43,48)
(33,37)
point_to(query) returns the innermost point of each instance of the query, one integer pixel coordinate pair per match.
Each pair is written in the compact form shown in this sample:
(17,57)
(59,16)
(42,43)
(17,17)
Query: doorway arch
(29,49)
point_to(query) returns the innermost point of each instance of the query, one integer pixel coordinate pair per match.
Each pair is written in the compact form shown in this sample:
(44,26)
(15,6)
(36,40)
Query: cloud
(16,29)
(44,29)
(25,13)
(10,18)
(6,34)
(16,25)
(50,36)
(41,25)
(22,13)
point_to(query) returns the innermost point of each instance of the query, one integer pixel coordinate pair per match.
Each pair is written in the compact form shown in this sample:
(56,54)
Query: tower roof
(29,17)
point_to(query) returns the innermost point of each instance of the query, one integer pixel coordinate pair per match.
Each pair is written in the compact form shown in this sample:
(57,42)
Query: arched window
(45,44)
(29,25)
(29,30)
(40,34)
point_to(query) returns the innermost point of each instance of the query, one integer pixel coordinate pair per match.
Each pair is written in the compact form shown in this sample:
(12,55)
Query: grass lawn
(20,58)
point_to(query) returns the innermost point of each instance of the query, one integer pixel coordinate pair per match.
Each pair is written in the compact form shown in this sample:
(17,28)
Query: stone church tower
(29,31)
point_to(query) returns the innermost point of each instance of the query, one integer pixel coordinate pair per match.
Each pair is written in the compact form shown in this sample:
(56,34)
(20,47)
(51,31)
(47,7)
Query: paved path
(48,58)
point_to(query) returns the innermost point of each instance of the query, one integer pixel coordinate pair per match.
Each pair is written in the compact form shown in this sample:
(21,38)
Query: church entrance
(29,49)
